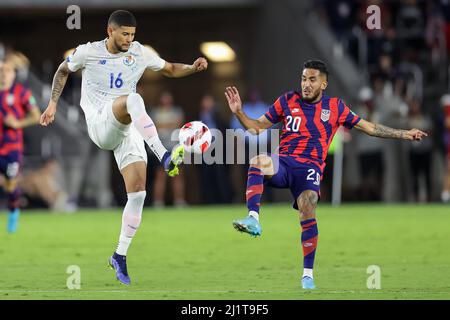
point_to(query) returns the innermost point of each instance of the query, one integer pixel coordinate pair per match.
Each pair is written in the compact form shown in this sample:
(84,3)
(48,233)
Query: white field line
(317,292)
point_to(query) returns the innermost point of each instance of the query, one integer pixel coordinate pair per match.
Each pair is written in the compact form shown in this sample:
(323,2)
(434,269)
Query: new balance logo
(295,110)
(308,244)
(102,62)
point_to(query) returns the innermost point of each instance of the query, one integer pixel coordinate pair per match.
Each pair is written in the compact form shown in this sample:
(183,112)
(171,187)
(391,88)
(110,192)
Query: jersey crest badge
(325,115)
(129,60)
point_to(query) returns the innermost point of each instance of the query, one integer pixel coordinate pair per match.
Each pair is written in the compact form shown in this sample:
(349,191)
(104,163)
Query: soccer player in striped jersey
(18,110)
(310,119)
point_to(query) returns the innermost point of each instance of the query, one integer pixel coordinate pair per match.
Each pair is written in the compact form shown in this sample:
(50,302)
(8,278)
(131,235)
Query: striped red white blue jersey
(16,101)
(308,129)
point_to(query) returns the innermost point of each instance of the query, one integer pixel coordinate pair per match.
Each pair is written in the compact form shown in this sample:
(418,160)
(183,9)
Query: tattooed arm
(59,81)
(378,130)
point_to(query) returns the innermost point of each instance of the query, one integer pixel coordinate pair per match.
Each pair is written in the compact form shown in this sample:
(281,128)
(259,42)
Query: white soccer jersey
(106,76)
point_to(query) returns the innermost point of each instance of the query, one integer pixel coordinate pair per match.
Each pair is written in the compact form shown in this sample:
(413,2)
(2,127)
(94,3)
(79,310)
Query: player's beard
(313,98)
(119,47)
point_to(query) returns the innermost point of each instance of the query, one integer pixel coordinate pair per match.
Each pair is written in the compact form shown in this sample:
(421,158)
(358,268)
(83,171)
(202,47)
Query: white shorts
(124,139)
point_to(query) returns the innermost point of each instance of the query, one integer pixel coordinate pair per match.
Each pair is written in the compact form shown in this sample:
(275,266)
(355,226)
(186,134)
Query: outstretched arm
(253,126)
(179,70)
(59,81)
(378,130)
(31,119)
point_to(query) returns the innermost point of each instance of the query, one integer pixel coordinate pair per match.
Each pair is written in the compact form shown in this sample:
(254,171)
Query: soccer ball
(195,136)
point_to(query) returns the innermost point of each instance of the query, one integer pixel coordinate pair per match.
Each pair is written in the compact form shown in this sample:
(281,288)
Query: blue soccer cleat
(176,158)
(119,263)
(13,220)
(249,225)
(308,283)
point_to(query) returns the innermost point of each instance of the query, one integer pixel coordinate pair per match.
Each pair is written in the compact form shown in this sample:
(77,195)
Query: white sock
(124,243)
(131,219)
(144,124)
(308,273)
(254,214)
(157,147)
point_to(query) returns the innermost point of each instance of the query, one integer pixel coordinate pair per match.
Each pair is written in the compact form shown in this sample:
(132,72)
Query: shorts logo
(129,60)
(325,115)
(12,170)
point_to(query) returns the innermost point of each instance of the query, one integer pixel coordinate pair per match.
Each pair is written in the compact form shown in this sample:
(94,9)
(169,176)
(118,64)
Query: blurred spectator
(392,112)
(341,17)
(215,186)
(435,33)
(410,23)
(378,40)
(2,51)
(167,118)
(21,64)
(18,110)
(254,107)
(386,69)
(370,150)
(43,185)
(444,6)
(420,153)
(445,102)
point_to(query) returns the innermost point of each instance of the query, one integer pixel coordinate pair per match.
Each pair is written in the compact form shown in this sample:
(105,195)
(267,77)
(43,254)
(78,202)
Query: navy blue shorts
(294,175)
(10,164)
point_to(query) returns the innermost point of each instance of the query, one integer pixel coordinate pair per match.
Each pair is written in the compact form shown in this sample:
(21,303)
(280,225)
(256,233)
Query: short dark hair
(317,65)
(122,18)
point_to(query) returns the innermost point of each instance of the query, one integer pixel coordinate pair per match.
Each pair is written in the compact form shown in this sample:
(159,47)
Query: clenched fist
(200,64)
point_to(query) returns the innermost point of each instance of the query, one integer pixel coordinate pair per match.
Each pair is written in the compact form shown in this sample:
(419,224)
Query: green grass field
(196,254)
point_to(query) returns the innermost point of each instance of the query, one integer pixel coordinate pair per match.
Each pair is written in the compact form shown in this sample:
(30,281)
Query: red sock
(309,242)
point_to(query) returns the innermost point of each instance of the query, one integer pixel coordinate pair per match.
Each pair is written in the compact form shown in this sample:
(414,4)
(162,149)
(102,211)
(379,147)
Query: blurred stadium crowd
(406,62)
(406,65)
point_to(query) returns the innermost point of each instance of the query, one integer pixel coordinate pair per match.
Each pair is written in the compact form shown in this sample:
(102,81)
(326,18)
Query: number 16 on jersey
(117,82)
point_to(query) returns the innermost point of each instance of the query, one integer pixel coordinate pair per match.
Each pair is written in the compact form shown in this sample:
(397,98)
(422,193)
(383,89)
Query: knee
(10,185)
(134,99)
(136,199)
(307,201)
(136,186)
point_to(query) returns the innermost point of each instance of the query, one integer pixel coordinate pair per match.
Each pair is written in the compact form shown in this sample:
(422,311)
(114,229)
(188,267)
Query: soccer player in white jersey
(115,114)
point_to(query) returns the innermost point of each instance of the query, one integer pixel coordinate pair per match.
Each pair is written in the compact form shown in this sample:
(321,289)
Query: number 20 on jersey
(293,123)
